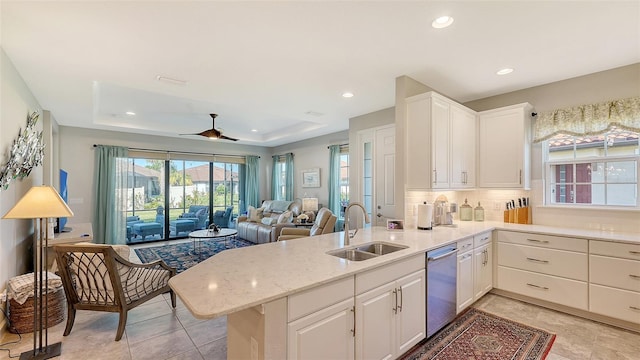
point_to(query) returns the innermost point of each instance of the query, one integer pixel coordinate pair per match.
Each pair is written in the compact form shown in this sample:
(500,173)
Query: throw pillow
(285,217)
(255,214)
(268,221)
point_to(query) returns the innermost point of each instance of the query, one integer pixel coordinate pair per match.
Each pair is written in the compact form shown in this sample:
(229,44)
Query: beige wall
(309,154)
(16,102)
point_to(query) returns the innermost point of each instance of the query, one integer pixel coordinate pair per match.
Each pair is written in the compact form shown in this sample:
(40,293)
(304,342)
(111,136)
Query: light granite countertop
(238,279)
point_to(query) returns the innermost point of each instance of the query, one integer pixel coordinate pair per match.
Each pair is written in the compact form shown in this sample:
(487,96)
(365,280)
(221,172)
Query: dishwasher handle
(453,251)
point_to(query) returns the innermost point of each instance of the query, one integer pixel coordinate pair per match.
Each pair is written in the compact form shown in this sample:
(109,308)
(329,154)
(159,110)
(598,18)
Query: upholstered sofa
(199,214)
(263,226)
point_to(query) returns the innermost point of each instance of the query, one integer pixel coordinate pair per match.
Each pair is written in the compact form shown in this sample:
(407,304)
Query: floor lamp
(40,203)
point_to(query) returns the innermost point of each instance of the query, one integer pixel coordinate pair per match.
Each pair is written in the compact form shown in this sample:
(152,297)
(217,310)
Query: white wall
(309,154)
(77,157)
(16,102)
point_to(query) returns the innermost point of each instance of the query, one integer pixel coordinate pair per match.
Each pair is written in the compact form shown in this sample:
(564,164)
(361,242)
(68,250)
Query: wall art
(27,152)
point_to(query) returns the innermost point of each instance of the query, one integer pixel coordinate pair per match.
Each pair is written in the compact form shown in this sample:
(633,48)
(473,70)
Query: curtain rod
(180,152)
(341,145)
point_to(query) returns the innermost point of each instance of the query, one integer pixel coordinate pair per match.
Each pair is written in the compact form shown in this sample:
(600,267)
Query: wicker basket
(21,315)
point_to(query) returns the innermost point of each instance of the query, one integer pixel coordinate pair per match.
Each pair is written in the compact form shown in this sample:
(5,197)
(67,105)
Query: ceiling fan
(213,133)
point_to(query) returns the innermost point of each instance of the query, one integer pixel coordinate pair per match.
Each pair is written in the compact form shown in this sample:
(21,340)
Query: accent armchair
(96,278)
(324,224)
(221,217)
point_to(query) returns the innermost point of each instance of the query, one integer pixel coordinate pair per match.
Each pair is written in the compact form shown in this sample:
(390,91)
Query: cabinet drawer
(619,273)
(545,287)
(619,304)
(312,300)
(387,273)
(568,264)
(481,239)
(626,251)
(547,241)
(465,245)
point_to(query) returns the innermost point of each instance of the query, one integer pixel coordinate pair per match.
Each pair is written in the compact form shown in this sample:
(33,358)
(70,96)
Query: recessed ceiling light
(130,113)
(504,71)
(442,22)
(254,130)
(347,94)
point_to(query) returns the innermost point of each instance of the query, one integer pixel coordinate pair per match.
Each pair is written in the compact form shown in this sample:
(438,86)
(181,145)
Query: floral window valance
(590,119)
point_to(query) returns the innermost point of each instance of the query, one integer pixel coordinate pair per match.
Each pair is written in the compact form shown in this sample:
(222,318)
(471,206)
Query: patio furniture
(147,229)
(222,217)
(132,220)
(179,226)
(96,278)
(199,214)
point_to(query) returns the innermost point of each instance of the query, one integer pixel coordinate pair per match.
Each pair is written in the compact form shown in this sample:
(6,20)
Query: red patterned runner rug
(477,335)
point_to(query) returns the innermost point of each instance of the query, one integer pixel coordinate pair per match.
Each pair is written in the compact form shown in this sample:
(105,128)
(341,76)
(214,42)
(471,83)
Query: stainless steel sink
(380,248)
(352,254)
(366,251)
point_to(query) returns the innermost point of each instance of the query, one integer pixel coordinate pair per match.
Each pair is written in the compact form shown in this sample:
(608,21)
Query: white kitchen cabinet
(505,147)
(441,149)
(483,265)
(550,268)
(324,334)
(391,319)
(465,280)
(319,316)
(614,275)
(463,148)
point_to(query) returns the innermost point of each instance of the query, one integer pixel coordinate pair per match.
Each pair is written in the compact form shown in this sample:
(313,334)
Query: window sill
(591,208)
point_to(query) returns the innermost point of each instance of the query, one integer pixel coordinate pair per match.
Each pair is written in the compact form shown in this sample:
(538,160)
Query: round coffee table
(199,235)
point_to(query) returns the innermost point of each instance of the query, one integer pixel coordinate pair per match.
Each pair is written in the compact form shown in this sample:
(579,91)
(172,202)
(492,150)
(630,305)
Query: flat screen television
(64,195)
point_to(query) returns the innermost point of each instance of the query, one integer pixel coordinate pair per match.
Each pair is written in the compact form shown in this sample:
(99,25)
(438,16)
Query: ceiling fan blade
(224,137)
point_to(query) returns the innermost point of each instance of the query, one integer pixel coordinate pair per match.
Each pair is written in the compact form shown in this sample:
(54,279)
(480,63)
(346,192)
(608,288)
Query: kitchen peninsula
(258,286)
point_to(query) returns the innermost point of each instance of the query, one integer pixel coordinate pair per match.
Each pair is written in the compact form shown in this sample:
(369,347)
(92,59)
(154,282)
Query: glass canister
(479,212)
(466,211)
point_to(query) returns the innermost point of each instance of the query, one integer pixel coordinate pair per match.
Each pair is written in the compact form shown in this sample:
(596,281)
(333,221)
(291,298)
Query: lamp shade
(309,204)
(39,202)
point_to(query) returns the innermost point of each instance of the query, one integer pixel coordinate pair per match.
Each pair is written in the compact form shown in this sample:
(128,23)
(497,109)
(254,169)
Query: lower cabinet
(325,334)
(390,319)
(483,271)
(465,280)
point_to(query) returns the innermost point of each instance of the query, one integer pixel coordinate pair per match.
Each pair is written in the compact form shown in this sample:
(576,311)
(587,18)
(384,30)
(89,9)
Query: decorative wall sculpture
(27,152)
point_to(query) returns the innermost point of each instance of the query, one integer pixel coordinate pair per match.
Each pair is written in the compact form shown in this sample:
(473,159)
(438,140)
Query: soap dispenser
(466,211)
(479,212)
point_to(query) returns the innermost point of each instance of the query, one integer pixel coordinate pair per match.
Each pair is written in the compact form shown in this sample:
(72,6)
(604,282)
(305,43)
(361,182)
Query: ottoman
(178,226)
(146,229)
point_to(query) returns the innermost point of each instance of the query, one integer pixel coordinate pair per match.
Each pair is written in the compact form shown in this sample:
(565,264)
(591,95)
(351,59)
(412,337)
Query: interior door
(384,180)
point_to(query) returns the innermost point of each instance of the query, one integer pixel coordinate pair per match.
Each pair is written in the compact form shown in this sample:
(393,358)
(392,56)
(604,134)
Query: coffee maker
(443,211)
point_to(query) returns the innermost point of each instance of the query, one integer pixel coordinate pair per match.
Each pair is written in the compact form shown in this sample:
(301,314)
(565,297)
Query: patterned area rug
(476,335)
(182,256)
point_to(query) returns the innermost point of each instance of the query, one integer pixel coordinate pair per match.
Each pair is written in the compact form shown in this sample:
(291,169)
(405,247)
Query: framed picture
(311,177)
(395,224)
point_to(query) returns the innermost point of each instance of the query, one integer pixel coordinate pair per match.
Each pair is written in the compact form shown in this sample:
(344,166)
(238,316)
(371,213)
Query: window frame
(550,183)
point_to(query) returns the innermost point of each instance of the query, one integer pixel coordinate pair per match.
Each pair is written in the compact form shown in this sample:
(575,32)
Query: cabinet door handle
(634,308)
(634,252)
(395,307)
(538,286)
(401,299)
(520,176)
(634,276)
(538,260)
(353,330)
(486,255)
(435,176)
(541,241)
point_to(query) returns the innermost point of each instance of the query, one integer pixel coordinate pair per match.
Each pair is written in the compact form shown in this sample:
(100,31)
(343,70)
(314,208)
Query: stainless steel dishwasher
(441,266)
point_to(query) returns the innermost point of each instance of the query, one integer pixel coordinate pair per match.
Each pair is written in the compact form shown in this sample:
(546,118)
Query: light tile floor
(156,331)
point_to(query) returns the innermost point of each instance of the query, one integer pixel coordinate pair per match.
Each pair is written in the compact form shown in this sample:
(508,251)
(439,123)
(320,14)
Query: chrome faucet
(346,221)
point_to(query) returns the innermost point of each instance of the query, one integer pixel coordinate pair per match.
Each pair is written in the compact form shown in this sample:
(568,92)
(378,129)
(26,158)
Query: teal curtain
(252,183)
(110,201)
(288,163)
(275,178)
(334,179)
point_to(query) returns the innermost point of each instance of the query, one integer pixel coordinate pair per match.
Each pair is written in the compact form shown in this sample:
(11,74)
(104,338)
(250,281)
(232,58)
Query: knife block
(522,215)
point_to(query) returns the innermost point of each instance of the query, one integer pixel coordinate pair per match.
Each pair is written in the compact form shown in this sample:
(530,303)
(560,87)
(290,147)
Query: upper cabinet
(505,147)
(441,143)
